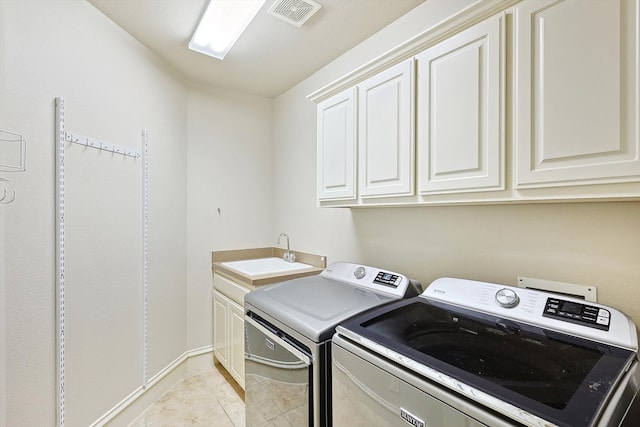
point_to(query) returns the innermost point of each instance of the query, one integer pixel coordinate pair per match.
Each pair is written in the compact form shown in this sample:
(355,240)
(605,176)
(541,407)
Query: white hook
(4,194)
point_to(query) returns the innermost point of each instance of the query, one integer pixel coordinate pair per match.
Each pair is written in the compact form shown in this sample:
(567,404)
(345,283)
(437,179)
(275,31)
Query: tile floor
(208,398)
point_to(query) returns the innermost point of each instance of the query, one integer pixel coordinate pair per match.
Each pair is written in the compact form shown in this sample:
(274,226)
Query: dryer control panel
(372,278)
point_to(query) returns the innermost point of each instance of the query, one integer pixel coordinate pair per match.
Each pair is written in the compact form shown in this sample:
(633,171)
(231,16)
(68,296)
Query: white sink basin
(264,266)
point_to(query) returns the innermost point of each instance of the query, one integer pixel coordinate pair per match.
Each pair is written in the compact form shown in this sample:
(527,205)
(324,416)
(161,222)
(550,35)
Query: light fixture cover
(222,23)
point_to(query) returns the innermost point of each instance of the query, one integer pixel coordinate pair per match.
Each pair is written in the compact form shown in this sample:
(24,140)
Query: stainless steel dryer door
(277,377)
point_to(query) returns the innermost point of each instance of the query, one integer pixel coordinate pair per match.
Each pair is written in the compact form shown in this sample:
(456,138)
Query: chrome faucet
(288,256)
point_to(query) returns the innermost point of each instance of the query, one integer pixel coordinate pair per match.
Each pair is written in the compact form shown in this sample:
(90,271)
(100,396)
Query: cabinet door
(236,342)
(385,132)
(220,328)
(576,95)
(460,89)
(337,147)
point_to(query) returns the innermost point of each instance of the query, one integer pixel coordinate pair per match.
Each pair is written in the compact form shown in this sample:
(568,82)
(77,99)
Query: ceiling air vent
(295,12)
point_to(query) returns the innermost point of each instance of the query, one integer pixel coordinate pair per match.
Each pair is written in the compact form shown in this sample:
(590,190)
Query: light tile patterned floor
(209,398)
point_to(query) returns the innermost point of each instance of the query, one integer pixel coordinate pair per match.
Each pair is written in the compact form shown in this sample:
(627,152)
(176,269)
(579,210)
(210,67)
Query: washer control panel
(387,279)
(575,312)
(555,312)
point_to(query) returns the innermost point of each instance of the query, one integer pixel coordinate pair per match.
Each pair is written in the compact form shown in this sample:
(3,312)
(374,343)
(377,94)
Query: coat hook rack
(63,140)
(74,138)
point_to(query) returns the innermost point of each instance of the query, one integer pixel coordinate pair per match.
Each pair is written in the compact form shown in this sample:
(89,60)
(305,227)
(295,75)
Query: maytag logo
(411,419)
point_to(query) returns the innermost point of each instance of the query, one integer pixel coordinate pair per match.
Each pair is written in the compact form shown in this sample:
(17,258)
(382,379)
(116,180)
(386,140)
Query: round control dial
(360,272)
(507,298)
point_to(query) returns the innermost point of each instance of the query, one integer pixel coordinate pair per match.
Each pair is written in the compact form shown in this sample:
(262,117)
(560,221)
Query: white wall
(588,243)
(230,190)
(208,150)
(113,88)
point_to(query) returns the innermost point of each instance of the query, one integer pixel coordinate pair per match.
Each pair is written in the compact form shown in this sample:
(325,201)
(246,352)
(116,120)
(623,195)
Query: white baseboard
(133,405)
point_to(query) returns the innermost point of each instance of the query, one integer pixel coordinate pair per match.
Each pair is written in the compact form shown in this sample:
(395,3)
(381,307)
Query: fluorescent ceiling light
(222,23)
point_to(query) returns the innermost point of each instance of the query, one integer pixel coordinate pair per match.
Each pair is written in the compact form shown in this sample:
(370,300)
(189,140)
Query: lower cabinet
(236,342)
(220,327)
(228,326)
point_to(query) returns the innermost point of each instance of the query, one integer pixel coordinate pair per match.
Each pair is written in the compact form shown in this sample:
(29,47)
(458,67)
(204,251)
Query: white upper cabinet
(507,101)
(576,95)
(385,132)
(460,93)
(336,145)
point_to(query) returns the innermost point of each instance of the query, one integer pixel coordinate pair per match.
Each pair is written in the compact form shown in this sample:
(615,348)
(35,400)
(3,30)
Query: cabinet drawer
(230,288)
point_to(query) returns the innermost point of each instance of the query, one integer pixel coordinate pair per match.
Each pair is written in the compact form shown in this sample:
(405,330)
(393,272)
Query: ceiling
(271,56)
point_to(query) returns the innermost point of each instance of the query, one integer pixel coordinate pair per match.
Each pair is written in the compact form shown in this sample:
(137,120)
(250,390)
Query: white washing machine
(288,330)
(468,353)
